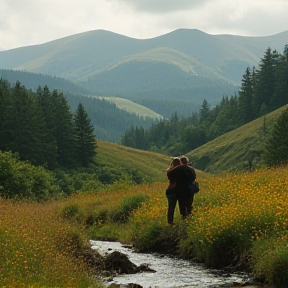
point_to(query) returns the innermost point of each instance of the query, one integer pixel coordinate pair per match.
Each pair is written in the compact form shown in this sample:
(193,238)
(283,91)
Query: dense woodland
(46,150)
(110,122)
(41,128)
(263,90)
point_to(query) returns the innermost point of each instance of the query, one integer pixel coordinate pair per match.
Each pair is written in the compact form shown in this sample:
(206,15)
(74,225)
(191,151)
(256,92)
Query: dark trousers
(184,202)
(172,201)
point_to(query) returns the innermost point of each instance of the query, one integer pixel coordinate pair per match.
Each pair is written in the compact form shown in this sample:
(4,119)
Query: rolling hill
(151,164)
(237,149)
(132,107)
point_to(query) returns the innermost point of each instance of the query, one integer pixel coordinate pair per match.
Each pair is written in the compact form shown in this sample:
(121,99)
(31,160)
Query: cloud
(37,21)
(162,6)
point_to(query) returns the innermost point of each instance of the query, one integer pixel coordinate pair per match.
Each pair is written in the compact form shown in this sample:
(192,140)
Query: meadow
(239,220)
(39,249)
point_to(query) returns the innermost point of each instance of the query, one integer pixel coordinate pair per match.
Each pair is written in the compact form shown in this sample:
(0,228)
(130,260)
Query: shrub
(70,211)
(128,204)
(22,180)
(269,260)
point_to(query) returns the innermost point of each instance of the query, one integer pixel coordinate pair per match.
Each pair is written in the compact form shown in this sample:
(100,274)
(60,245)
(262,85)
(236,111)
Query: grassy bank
(239,220)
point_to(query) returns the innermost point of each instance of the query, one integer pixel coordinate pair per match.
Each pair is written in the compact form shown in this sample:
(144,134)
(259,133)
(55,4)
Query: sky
(32,22)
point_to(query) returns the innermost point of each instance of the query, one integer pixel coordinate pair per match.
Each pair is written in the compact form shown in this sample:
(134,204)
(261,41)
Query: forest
(41,128)
(46,150)
(109,121)
(262,90)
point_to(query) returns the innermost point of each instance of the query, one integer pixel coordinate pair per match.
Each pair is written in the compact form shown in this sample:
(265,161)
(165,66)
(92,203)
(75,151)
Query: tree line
(262,91)
(41,128)
(109,122)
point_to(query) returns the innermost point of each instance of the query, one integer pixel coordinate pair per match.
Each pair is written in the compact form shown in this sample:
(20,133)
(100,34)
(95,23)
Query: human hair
(184,160)
(175,162)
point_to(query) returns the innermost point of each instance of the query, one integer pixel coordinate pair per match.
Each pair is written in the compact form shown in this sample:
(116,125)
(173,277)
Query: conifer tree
(265,81)
(280,96)
(85,138)
(129,138)
(245,98)
(45,105)
(6,115)
(276,149)
(140,138)
(204,111)
(64,131)
(26,126)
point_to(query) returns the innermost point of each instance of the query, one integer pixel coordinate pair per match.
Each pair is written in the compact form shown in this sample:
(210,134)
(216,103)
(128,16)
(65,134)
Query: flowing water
(170,272)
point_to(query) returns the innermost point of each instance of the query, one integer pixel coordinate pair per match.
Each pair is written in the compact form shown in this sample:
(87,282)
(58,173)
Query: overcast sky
(29,22)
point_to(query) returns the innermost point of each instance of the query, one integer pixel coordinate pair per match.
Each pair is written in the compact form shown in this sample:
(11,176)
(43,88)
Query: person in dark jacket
(171,192)
(183,175)
(192,178)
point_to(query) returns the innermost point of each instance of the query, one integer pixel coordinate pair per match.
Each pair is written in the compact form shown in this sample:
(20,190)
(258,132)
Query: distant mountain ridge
(170,73)
(83,55)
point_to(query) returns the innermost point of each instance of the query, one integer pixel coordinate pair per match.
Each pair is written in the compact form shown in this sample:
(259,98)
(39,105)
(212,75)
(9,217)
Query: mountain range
(170,73)
(82,56)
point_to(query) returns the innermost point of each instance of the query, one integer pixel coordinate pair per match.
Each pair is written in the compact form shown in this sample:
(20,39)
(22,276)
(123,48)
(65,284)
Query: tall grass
(38,249)
(238,219)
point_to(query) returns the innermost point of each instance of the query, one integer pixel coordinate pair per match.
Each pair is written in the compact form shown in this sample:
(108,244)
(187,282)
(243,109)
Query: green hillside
(234,150)
(150,164)
(132,107)
(170,56)
(33,80)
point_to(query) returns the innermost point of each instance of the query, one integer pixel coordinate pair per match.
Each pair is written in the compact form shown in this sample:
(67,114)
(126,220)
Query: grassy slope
(234,149)
(132,107)
(152,164)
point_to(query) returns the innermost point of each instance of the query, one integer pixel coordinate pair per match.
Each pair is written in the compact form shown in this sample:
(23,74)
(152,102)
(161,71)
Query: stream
(170,271)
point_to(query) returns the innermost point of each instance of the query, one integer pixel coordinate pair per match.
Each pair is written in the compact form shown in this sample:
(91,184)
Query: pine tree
(128,138)
(45,105)
(27,126)
(280,96)
(64,131)
(204,111)
(245,98)
(140,138)
(265,81)
(6,115)
(85,138)
(276,149)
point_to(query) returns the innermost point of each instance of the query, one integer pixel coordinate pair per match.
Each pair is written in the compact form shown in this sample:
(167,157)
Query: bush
(126,207)
(269,260)
(22,180)
(70,211)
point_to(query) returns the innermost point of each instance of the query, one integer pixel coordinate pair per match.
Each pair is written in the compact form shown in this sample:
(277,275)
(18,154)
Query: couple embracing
(181,175)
